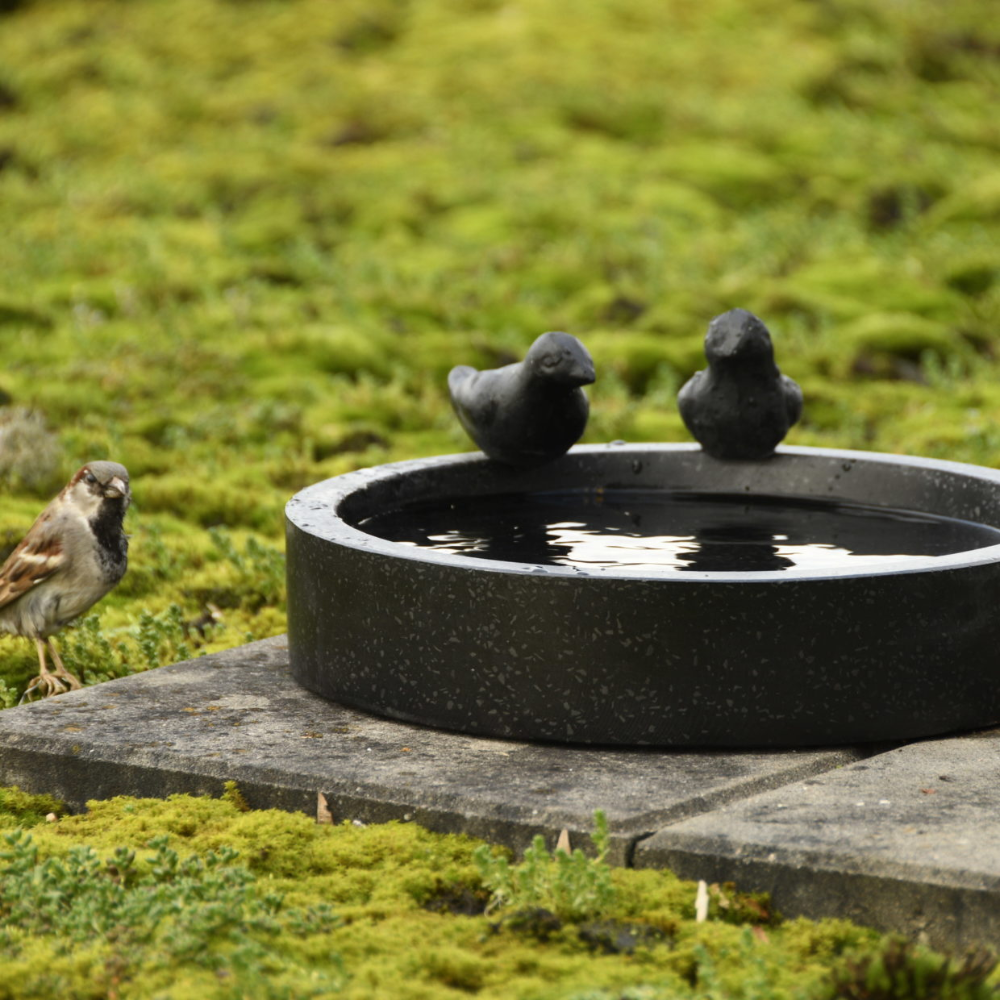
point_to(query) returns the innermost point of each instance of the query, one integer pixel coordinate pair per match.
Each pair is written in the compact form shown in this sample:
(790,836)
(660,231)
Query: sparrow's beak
(117,488)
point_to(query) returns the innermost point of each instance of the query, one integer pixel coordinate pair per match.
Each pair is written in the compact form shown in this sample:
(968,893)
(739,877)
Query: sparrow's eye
(90,478)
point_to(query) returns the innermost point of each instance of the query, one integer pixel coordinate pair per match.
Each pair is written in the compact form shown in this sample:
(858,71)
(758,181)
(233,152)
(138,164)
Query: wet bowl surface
(843,651)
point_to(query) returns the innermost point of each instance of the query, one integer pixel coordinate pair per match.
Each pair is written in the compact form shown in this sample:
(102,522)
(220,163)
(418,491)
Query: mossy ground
(194,897)
(354,920)
(242,243)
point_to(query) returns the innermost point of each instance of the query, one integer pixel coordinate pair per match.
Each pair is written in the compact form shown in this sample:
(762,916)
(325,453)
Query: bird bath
(652,594)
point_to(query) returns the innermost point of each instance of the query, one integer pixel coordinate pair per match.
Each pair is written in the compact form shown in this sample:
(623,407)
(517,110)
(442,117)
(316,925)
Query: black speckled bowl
(883,652)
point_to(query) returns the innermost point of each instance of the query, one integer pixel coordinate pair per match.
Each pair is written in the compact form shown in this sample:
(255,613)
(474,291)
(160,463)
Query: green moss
(972,275)
(20,809)
(851,289)
(276,896)
(244,243)
(879,340)
(977,201)
(636,358)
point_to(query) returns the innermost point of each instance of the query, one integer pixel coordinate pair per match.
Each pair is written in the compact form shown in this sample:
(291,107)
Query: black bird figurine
(530,412)
(741,406)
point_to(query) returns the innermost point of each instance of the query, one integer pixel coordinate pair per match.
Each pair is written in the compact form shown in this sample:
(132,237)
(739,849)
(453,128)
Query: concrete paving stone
(908,840)
(239,715)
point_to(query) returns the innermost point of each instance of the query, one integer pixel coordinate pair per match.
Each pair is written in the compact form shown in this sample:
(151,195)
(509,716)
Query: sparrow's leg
(45,683)
(61,672)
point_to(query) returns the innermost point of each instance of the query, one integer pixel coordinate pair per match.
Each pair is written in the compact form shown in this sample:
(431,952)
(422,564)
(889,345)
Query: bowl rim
(316,510)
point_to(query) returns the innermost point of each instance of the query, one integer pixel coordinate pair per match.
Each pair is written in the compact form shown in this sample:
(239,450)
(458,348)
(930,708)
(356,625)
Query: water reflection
(687,532)
(722,548)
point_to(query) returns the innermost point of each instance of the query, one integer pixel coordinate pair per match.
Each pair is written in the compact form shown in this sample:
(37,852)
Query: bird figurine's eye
(550,360)
(90,478)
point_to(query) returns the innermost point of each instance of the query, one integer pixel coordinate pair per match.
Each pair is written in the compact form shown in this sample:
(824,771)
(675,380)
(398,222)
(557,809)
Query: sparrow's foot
(63,675)
(45,685)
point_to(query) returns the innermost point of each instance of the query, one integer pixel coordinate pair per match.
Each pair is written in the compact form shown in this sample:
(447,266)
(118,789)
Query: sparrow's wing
(39,555)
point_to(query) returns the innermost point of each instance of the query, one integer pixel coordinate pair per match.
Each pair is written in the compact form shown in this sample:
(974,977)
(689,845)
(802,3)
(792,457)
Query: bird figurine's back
(530,412)
(73,554)
(741,406)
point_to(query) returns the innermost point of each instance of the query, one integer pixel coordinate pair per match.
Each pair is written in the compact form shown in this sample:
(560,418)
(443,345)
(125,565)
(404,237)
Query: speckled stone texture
(908,840)
(608,656)
(240,716)
(900,838)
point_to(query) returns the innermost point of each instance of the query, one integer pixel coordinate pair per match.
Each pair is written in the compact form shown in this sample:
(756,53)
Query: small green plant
(902,970)
(755,976)
(154,640)
(166,910)
(739,971)
(97,655)
(260,569)
(163,638)
(89,649)
(572,886)
(80,895)
(8,694)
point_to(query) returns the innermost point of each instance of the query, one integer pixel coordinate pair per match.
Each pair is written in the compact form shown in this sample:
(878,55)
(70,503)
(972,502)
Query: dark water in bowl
(646,529)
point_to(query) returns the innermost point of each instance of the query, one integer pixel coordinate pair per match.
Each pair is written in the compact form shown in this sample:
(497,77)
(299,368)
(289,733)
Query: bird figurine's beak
(117,488)
(582,374)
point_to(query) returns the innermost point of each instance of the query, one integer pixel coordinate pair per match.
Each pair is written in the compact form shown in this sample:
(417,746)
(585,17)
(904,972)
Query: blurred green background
(241,244)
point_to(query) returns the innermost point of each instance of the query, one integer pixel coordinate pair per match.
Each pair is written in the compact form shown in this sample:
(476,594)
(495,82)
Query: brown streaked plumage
(74,553)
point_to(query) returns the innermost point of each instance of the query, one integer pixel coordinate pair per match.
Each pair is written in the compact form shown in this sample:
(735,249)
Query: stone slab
(240,716)
(908,840)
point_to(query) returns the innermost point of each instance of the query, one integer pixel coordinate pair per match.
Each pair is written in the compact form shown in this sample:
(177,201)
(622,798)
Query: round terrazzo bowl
(614,656)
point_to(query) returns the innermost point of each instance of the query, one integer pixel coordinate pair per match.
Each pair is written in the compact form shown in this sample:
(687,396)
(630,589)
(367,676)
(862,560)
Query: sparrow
(73,554)
(529,412)
(741,406)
